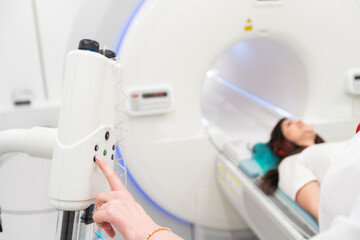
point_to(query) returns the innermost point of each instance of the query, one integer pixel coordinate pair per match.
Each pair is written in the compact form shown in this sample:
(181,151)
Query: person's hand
(118,209)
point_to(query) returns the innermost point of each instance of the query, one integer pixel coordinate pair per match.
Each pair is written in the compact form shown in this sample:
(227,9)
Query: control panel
(150,100)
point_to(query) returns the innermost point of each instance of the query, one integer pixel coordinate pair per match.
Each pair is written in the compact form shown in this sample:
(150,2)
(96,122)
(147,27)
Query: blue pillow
(265,157)
(250,168)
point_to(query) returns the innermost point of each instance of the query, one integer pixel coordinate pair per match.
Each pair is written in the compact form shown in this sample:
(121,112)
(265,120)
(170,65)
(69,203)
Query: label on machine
(150,100)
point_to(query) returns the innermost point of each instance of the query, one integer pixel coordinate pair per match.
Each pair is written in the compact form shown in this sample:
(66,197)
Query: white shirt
(339,210)
(311,164)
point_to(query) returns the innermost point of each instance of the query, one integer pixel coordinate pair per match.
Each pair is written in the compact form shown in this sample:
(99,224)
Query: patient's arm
(308,197)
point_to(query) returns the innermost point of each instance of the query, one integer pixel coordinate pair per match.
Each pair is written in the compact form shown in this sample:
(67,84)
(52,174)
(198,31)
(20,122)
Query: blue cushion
(251,168)
(265,157)
(304,214)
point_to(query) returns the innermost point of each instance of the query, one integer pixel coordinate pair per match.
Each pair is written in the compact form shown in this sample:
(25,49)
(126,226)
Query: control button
(113,147)
(112,157)
(88,44)
(96,148)
(107,53)
(107,135)
(105,152)
(94,159)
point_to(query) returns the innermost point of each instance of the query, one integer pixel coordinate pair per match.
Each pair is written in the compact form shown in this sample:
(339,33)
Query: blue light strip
(131,178)
(253,97)
(119,156)
(121,161)
(122,36)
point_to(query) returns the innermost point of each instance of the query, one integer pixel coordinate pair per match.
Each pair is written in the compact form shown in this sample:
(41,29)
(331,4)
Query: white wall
(55,21)
(19,58)
(33,39)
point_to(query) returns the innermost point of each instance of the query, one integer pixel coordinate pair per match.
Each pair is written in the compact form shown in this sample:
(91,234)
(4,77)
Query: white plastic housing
(37,141)
(87,114)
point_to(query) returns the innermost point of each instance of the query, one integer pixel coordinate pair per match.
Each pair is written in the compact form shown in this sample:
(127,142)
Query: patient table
(270,217)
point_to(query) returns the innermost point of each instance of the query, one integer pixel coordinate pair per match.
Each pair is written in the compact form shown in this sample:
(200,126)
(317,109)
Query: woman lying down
(305,160)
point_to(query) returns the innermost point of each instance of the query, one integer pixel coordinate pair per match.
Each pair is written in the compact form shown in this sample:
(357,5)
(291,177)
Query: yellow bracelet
(157,230)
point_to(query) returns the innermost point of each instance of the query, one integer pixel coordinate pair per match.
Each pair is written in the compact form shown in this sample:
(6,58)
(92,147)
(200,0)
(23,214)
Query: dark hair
(282,148)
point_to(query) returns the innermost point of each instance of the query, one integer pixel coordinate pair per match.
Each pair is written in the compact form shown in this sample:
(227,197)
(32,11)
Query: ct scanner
(228,71)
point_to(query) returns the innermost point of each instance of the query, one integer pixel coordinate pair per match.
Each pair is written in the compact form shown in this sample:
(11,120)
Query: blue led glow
(118,153)
(253,97)
(126,28)
(131,178)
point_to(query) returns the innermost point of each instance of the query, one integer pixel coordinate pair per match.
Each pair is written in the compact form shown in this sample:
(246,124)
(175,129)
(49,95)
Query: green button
(105,152)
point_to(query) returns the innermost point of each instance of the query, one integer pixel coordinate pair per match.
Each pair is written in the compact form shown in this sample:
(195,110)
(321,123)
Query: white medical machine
(294,55)
(200,73)
(89,125)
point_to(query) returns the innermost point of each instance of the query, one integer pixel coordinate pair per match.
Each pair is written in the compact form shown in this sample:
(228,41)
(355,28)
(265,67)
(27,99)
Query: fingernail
(98,159)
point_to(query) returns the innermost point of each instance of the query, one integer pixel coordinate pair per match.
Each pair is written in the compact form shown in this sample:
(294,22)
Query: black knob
(108,53)
(88,44)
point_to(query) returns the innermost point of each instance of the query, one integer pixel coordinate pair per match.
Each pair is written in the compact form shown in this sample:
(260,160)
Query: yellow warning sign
(248,25)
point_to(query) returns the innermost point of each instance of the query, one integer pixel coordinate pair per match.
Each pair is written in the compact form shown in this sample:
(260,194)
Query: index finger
(112,178)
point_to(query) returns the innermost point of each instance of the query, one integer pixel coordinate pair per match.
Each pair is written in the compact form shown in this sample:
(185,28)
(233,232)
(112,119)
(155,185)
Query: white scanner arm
(36,142)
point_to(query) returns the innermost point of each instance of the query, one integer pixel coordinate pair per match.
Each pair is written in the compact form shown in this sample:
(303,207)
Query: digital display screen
(154,95)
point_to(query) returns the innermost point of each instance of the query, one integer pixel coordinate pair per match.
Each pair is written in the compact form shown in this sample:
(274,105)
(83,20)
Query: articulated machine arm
(88,126)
